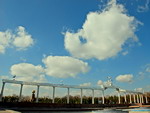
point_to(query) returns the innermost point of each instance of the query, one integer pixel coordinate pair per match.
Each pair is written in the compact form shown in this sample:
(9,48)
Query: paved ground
(8,111)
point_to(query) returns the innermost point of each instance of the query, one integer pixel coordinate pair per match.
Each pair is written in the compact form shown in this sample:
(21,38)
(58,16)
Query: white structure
(108,85)
(22,83)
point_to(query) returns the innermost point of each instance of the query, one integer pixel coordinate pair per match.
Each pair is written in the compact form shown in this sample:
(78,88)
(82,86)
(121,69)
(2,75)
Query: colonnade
(53,94)
(138,97)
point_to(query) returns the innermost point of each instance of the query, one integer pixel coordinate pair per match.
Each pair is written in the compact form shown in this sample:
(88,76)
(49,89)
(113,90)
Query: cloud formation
(64,66)
(21,40)
(125,78)
(145,7)
(28,72)
(5,40)
(86,84)
(139,89)
(100,82)
(147,68)
(103,34)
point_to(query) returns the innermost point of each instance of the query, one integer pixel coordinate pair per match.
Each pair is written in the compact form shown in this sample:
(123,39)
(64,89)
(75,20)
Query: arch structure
(139,95)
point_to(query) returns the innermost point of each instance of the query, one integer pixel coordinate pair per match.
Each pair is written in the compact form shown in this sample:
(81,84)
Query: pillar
(81,97)
(37,97)
(118,97)
(140,98)
(125,98)
(103,98)
(20,95)
(2,90)
(68,96)
(53,101)
(134,98)
(130,98)
(146,99)
(137,98)
(92,96)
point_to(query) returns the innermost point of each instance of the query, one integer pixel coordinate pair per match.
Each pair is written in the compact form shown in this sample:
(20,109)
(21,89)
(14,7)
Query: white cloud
(100,82)
(148,68)
(103,34)
(125,53)
(4,77)
(124,78)
(64,66)
(28,72)
(5,39)
(139,89)
(86,84)
(21,39)
(145,7)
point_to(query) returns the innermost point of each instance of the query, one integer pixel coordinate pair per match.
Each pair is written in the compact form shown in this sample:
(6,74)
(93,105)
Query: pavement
(9,111)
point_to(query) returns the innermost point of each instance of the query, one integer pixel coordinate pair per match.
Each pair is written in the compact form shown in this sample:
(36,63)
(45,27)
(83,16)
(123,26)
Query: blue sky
(77,41)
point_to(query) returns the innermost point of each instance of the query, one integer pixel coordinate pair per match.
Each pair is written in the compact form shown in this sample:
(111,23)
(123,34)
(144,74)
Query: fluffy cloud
(103,34)
(64,66)
(86,84)
(100,82)
(28,72)
(124,78)
(21,39)
(5,39)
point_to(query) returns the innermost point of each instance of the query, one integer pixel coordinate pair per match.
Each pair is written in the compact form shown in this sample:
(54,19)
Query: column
(81,97)
(53,101)
(2,90)
(103,98)
(118,97)
(140,98)
(134,98)
(130,98)
(37,97)
(146,99)
(68,96)
(125,98)
(20,93)
(137,98)
(92,96)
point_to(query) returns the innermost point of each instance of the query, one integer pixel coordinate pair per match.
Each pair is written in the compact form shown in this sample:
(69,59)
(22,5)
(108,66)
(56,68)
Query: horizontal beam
(50,84)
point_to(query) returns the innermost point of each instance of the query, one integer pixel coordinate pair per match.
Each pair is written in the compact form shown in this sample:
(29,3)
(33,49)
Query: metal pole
(37,97)
(92,96)
(103,98)
(20,93)
(68,96)
(53,101)
(81,97)
(119,97)
(2,90)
